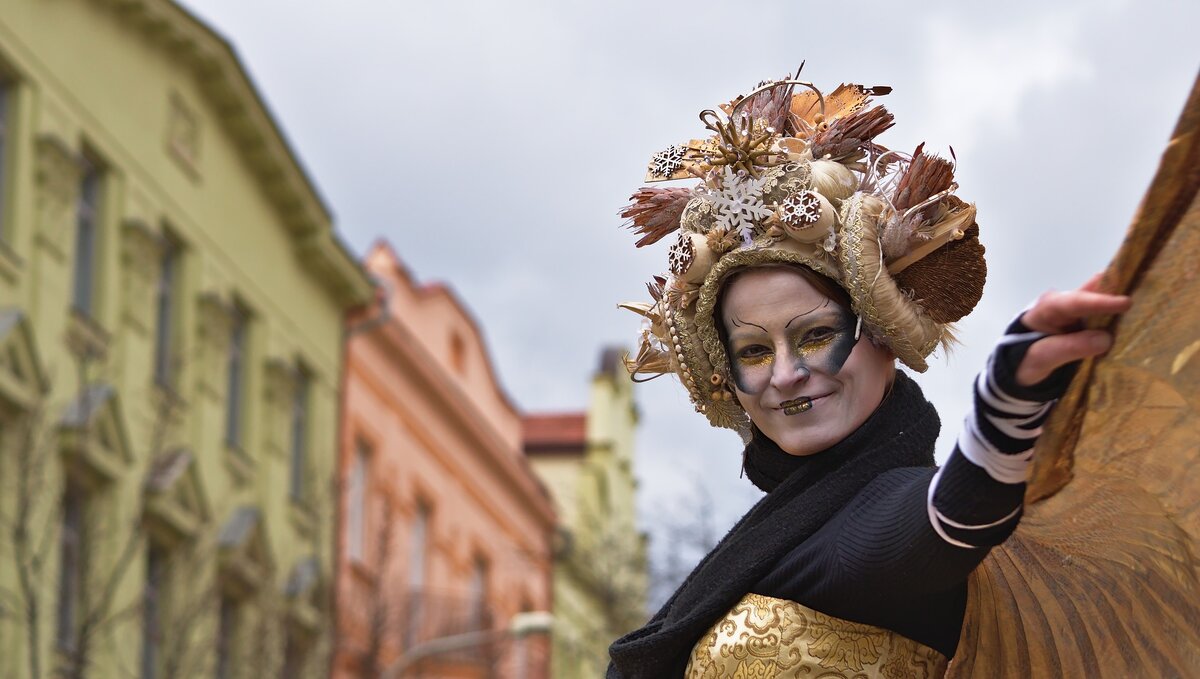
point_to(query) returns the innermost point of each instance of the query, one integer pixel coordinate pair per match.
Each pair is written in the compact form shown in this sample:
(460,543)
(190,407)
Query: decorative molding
(182,139)
(92,436)
(175,501)
(23,381)
(86,339)
(279,386)
(241,466)
(141,250)
(10,263)
(58,173)
(245,555)
(214,325)
(305,591)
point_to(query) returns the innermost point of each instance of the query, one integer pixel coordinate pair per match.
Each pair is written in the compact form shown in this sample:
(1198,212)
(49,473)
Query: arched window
(458,353)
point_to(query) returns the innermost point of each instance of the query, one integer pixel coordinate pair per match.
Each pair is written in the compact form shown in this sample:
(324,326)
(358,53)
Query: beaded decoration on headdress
(797,177)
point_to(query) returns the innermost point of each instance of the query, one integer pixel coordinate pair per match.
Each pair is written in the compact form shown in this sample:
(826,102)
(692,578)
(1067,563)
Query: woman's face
(797,370)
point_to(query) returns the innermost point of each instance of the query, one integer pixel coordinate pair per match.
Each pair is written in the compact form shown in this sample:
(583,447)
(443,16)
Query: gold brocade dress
(767,638)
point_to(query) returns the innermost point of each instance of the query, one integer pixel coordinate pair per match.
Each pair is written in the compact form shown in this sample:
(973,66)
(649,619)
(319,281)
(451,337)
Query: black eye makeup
(821,343)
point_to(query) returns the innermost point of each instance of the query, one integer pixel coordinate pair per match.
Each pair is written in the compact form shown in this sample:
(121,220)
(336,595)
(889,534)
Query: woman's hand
(1060,314)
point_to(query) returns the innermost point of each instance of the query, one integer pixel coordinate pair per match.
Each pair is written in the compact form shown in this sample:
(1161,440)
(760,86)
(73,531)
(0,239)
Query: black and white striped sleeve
(976,498)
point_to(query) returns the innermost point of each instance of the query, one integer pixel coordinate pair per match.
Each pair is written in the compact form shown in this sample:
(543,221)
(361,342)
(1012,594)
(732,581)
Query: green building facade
(600,571)
(171,305)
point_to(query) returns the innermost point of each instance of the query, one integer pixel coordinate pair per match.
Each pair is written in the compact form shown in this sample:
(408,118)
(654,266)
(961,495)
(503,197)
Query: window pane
(85,240)
(163,345)
(233,402)
(70,569)
(478,594)
(226,624)
(416,561)
(152,612)
(5,125)
(357,504)
(299,434)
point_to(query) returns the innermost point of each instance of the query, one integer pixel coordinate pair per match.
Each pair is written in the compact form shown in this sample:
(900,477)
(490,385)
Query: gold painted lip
(799,405)
(796,405)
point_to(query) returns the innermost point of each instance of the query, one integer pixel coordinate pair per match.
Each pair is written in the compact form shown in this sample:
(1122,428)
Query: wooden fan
(1102,578)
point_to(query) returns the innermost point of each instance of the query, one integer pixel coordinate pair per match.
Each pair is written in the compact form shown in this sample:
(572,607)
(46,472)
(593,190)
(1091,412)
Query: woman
(809,260)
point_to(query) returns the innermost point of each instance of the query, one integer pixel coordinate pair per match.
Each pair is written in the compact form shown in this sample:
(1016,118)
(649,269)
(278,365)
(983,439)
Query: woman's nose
(788,374)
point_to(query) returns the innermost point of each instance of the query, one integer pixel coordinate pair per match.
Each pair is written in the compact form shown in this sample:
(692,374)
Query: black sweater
(880,560)
(888,552)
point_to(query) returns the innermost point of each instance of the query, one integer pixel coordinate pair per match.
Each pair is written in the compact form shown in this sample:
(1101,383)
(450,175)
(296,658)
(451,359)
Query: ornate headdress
(798,178)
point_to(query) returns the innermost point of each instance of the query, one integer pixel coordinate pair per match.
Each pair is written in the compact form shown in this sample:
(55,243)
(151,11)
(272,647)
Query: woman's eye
(818,334)
(756,351)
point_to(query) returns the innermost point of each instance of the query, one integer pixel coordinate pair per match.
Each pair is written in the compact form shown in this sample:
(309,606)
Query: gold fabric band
(779,639)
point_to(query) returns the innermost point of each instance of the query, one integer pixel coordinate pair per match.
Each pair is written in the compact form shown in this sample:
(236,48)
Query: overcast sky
(494,142)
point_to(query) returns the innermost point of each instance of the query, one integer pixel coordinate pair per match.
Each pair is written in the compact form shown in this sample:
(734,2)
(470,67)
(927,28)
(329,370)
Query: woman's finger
(1093,283)
(1050,353)
(1057,312)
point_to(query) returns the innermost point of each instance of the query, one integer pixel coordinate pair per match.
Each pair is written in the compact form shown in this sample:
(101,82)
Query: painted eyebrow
(739,323)
(819,306)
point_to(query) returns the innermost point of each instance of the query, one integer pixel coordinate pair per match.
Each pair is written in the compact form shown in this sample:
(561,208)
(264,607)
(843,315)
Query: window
(87,223)
(295,655)
(166,296)
(71,543)
(478,594)
(6,111)
(299,427)
(416,575)
(357,502)
(236,369)
(152,610)
(458,353)
(416,554)
(227,623)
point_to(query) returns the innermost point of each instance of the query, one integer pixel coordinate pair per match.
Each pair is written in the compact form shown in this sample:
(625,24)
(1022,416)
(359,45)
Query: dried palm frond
(847,99)
(772,105)
(850,137)
(656,287)
(919,201)
(649,361)
(654,213)
(926,176)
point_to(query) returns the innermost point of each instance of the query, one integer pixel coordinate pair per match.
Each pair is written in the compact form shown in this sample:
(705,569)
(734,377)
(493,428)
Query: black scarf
(803,493)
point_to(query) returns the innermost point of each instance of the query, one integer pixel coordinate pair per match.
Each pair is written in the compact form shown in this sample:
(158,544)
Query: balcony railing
(430,615)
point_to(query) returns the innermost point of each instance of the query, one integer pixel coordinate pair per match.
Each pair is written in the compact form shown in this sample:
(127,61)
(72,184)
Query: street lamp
(521,625)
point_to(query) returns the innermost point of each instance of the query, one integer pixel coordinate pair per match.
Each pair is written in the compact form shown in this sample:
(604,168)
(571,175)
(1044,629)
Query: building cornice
(254,130)
(409,354)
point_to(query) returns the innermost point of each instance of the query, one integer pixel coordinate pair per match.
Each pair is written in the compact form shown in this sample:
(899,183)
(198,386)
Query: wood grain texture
(1102,578)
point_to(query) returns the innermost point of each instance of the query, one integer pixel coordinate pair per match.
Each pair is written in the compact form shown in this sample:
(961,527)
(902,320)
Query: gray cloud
(493,143)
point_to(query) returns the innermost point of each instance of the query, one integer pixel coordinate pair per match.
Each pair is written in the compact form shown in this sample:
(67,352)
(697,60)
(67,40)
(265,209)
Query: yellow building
(586,460)
(171,304)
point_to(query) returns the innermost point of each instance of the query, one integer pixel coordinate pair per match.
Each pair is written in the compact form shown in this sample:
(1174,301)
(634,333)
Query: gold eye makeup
(817,342)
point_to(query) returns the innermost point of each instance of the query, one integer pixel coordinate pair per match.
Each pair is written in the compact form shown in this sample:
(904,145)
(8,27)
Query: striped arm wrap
(997,437)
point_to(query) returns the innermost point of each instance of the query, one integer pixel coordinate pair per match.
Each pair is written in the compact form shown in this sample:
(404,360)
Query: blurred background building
(227,448)
(171,308)
(446,531)
(586,459)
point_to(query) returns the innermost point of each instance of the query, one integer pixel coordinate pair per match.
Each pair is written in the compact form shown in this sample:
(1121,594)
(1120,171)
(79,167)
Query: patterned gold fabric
(767,638)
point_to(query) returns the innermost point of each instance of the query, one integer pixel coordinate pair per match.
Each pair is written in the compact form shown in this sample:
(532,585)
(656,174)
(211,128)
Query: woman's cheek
(833,357)
(751,378)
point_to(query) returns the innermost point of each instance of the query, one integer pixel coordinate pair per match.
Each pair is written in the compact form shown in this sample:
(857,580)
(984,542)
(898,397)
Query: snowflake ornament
(681,256)
(738,199)
(800,209)
(666,163)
